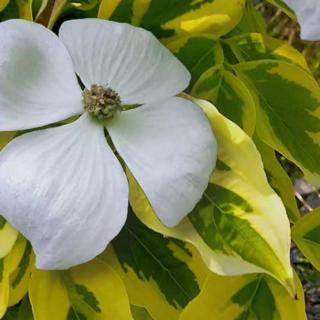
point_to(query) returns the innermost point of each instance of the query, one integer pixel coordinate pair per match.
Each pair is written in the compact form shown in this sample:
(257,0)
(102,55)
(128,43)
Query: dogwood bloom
(63,188)
(308,13)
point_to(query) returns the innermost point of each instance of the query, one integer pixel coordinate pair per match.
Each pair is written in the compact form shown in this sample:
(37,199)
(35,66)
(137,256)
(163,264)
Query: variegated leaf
(161,275)
(288,112)
(257,46)
(89,291)
(229,94)
(204,58)
(8,236)
(8,265)
(19,279)
(166,19)
(248,297)
(240,225)
(198,53)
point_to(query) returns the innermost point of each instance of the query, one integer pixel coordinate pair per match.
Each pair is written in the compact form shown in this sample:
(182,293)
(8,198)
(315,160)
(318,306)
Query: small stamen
(102,102)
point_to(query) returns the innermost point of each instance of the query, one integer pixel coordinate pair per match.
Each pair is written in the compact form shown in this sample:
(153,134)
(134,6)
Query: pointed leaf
(246,298)
(239,217)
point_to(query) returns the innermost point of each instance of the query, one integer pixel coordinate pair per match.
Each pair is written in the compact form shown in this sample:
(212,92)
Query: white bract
(63,187)
(308,13)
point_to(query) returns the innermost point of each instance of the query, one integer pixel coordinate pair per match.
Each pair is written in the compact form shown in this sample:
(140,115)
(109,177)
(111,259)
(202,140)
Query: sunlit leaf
(240,225)
(167,19)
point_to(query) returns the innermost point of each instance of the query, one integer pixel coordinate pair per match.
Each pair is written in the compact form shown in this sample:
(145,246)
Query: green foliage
(156,261)
(230,225)
(229,259)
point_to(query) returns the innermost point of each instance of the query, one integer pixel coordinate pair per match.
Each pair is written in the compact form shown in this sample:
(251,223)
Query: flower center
(102,102)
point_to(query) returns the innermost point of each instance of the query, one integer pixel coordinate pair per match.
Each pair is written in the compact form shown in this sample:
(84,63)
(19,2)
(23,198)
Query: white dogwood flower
(308,13)
(63,187)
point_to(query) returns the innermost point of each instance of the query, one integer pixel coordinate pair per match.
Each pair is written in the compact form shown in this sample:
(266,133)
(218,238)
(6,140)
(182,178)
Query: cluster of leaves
(285,27)
(229,259)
